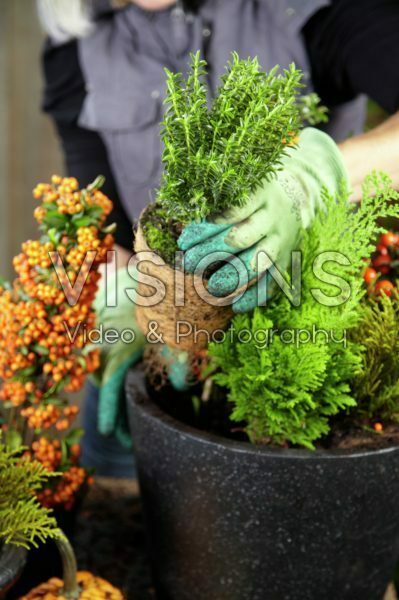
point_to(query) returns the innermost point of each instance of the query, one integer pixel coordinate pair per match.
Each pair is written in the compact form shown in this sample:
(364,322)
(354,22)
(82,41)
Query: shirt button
(290,12)
(155,94)
(206,32)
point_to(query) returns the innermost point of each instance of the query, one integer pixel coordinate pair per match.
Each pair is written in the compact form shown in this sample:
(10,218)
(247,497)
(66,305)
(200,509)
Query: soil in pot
(213,416)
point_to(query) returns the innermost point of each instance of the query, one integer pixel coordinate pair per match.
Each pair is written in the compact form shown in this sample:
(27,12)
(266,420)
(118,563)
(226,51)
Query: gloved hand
(178,367)
(270,223)
(118,357)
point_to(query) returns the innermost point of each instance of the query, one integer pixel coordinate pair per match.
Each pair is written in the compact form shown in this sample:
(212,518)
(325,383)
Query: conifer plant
(23,521)
(334,354)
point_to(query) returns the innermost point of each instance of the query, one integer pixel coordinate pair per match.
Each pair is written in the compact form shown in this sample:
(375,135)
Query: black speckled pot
(12,562)
(231,521)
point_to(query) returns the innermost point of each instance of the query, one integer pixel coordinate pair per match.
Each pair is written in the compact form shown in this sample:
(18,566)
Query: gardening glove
(117,357)
(178,366)
(270,223)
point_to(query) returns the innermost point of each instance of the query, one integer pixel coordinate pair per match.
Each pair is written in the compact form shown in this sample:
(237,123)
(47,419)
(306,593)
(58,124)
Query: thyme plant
(214,158)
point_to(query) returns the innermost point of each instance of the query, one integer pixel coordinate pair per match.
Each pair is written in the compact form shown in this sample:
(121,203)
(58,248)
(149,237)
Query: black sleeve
(64,86)
(84,151)
(85,158)
(353,47)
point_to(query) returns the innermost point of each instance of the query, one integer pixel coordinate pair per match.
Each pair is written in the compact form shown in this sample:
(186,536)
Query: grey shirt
(123,62)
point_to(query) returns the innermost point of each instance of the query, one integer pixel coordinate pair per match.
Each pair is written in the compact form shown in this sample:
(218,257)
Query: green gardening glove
(117,357)
(268,228)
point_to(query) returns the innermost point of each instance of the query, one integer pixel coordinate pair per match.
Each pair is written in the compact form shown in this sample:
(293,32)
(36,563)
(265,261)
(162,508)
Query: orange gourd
(90,588)
(76,585)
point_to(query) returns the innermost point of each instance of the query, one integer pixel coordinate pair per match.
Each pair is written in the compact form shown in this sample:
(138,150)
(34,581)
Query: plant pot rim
(145,404)
(10,552)
(12,562)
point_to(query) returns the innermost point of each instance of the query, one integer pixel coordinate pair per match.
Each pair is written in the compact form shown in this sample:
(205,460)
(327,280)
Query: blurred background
(29,150)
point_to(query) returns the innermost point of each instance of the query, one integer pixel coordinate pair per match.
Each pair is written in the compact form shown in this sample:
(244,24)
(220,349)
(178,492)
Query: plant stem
(69,568)
(206,394)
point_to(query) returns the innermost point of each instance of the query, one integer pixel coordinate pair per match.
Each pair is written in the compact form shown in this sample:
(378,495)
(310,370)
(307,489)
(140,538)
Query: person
(104,88)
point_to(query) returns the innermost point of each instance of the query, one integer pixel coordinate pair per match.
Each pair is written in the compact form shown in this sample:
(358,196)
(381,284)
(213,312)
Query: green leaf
(97,183)
(110,228)
(56,400)
(196,402)
(82,361)
(4,283)
(83,221)
(95,212)
(54,236)
(27,372)
(13,439)
(49,206)
(42,350)
(64,452)
(54,219)
(74,436)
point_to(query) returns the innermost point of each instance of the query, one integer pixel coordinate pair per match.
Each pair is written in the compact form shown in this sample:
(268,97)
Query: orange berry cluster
(65,491)
(65,197)
(62,197)
(61,490)
(36,318)
(48,452)
(381,276)
(48,416)
(33,285)
(292,139)
(45,318)
(88,241)
(13,392)
(42,417)
(38,254)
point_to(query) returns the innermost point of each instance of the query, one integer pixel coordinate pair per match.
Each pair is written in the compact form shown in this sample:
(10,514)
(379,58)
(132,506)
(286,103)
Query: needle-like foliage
(215,157)
(23,521)
(287,386)
(377,386)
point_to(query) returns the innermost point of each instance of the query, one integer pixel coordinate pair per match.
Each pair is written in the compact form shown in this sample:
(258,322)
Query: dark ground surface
(109,538)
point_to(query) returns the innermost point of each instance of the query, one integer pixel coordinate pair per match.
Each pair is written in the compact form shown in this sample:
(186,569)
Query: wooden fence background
(29,150)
